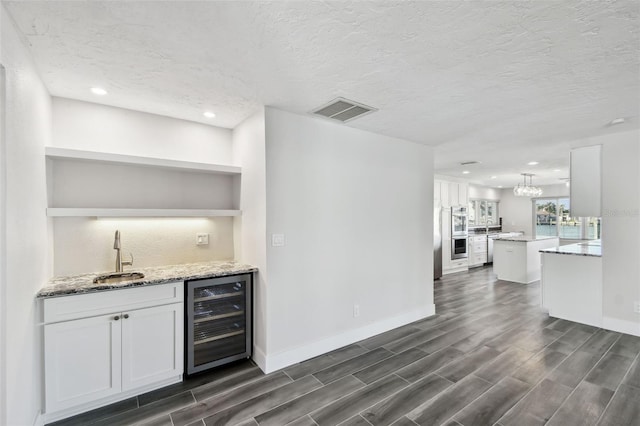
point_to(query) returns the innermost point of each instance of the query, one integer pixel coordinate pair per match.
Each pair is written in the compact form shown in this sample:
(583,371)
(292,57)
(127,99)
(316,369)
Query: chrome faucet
(119,262)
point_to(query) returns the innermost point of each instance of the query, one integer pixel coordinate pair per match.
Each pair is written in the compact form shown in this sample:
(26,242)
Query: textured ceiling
(498,82)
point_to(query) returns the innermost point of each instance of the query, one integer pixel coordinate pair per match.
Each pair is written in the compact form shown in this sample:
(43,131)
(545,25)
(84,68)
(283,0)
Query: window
(552,217)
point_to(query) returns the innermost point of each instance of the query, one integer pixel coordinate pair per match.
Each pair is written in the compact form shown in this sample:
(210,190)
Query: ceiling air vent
(343,110)
(467,163)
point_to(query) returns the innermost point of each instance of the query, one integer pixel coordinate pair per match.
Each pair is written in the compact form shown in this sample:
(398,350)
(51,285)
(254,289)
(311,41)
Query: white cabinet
(149,350)
(450,193)
(586,181)
(463,190)
(82,361)
(572,287)
(437,192)
(92,361)
(477,250)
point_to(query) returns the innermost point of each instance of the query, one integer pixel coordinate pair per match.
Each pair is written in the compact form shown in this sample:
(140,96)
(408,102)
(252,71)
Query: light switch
(202,239)
(277,240)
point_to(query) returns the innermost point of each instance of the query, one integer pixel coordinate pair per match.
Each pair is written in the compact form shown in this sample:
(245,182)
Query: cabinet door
(492,213)
(444,194)
(453,194)
(586,181)
(152,345)
(437,195)
(462,194)
(82,361)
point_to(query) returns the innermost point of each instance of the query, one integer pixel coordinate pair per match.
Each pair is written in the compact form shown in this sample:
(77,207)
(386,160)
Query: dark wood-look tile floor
(490,356)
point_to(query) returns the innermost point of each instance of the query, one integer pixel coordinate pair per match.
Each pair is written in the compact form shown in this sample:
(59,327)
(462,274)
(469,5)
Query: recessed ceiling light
(465,172)
(557,170)
(616,121)
(98,91)
(209,114)
(494,177)
(499,186)
(532,163)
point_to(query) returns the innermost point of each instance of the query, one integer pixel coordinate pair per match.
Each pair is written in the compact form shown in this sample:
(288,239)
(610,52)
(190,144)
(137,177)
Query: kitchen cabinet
(108,347)
(483,213)
(477,250)
(517,259)
(571,285)
(87,183)
(82,361)
(586,181)
(451,194)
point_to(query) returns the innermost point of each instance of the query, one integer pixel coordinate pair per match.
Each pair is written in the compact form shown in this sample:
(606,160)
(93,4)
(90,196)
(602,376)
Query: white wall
(28,130)
(483,192)
(3,250)
(85,244)
(356,209)
(250,228)
(621,230)
(517,212)
(94,127)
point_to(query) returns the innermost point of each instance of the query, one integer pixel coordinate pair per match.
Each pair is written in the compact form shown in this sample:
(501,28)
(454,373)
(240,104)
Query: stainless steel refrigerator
(437,242)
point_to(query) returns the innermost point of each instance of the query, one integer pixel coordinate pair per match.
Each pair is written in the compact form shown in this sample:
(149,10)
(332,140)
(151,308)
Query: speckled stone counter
(579,249)
(524,238)
(80,284)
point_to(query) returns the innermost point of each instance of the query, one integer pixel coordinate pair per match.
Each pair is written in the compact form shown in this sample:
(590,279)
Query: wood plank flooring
(490,356)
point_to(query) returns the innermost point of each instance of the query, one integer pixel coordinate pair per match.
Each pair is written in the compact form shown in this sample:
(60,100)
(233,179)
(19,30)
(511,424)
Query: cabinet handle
(126,316)
(116,318)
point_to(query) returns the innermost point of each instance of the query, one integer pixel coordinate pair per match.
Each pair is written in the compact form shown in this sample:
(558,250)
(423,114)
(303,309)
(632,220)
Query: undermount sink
(117,277)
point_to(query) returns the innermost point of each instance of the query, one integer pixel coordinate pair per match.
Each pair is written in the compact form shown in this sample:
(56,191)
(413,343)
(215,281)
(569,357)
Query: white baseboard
(621,326)
(259,358)
(455,270)
(269,363)
(39,419)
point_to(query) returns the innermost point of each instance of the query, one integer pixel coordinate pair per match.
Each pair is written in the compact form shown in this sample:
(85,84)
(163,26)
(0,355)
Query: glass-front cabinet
(483,213)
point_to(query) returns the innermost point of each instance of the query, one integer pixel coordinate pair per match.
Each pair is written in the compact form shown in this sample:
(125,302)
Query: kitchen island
(517,259)
(572,282)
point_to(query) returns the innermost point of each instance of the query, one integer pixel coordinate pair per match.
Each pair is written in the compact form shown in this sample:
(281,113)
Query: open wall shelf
(103,157)
(100,212)
(96,184)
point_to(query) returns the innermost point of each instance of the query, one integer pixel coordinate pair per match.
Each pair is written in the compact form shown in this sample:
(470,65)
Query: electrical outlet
(636,307)
(277,240)
(356,311)
(202,239)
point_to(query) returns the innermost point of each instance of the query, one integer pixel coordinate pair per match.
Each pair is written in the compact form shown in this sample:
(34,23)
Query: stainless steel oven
(459,247)
(459,221)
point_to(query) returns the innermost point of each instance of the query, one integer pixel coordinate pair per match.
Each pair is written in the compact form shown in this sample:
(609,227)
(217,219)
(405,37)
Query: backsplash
(84,245)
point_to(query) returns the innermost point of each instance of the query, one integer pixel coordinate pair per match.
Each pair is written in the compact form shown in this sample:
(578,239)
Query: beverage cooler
(218,321)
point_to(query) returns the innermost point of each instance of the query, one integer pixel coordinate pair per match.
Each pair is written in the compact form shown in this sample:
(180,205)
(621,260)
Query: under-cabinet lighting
(98,91)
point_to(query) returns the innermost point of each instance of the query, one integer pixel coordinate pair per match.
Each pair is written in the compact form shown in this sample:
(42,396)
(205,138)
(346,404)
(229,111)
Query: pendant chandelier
(527,190)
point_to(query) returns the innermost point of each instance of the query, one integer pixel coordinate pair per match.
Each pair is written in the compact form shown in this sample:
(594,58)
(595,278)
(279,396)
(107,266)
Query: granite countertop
(524,238)
(592,248)
(81,284)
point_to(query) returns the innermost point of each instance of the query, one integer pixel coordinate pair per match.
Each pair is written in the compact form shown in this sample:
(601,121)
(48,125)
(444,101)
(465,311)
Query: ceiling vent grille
(468,163)
(343,110)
